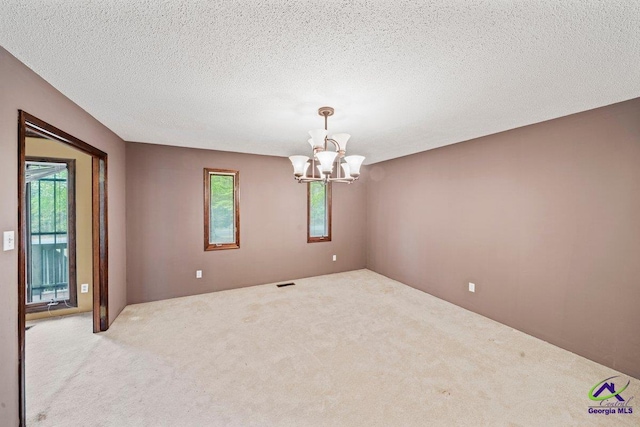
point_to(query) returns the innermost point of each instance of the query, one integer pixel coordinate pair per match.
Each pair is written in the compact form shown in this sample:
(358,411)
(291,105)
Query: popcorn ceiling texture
(404,76)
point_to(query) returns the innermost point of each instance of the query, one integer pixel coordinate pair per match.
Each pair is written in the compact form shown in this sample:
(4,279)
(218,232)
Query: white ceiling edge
(404,76)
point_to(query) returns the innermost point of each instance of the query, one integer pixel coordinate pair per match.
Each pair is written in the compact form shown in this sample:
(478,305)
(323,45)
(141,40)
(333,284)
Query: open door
(55,251)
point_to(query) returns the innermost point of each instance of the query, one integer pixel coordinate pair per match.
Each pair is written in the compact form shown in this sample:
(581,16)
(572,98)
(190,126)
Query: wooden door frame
(30,124)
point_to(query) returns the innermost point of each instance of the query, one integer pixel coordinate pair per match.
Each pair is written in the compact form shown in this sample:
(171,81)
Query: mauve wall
(166,225)
(544,219)
(21,88)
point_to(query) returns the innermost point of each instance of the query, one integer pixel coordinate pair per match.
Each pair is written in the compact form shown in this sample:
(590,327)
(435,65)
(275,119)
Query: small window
(221,210)
(318,212)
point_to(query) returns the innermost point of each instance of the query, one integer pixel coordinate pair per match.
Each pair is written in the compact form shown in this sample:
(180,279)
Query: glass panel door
(47,232)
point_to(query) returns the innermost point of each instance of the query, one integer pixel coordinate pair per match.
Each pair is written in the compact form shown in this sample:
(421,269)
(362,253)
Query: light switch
(198,274)
(9,241)
(472,287)
(84,288)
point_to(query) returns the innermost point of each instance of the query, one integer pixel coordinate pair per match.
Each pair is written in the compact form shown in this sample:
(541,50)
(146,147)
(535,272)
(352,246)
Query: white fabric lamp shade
(300,165)
(317,138)
(341,139)
(326,159)
(354,163)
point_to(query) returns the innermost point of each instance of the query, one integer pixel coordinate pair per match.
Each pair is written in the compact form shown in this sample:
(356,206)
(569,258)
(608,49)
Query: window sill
(214,247)
(318,239)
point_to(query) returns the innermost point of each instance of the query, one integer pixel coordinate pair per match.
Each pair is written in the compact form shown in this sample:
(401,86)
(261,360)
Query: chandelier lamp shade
(327,165)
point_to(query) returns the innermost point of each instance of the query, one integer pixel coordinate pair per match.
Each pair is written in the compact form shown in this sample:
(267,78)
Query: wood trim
(100,245)
(71,233)
(329,208)
(51,132)
(22,227)
(207,208)
(99,227)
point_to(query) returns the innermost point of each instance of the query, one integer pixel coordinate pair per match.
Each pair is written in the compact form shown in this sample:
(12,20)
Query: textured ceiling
(404,76)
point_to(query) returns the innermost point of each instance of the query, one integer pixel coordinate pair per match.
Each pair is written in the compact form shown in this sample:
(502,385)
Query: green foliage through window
(318,210)
(47,227)
(222,209)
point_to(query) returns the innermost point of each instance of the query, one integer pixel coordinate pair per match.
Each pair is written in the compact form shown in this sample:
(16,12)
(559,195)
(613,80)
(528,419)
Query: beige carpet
(351,349)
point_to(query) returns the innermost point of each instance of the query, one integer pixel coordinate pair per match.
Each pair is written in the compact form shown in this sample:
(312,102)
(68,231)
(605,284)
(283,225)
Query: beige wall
(165,224)
(21,88)
(40,147)
(544,219)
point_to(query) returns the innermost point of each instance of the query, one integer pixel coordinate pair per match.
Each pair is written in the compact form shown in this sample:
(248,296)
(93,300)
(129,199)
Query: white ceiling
(404,76)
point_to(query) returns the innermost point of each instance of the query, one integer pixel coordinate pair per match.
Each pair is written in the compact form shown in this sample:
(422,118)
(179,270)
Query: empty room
(306,213)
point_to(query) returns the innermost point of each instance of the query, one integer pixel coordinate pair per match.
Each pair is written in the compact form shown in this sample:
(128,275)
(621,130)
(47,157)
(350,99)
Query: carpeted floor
(350,349)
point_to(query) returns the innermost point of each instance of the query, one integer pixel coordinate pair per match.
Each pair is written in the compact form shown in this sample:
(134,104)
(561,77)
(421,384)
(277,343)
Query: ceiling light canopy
(327,165)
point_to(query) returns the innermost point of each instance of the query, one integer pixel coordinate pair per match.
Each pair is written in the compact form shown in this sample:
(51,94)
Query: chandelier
(325,162)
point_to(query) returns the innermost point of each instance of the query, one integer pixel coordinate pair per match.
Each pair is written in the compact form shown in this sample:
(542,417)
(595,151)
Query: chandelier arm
(342,180)
(306,180)
(334,142)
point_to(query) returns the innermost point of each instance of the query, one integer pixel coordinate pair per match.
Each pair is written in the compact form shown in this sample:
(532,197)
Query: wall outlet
(335,257)
(198,274)
(8,241)
(472,287)
(84,288)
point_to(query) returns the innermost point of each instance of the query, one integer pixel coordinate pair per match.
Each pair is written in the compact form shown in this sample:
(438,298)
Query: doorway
(47,261)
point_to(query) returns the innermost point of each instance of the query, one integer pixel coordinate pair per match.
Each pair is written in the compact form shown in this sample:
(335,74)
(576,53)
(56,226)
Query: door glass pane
(318,224)
(47,225)
(222,211)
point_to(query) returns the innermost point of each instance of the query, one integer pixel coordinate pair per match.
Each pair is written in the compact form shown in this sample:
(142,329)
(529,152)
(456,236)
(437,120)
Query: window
(50,221)
(318,212)
(221,210)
